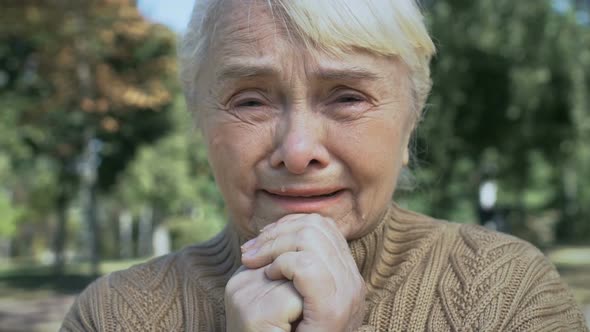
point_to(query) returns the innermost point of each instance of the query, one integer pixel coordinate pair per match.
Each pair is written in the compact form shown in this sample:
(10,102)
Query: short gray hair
(383,27)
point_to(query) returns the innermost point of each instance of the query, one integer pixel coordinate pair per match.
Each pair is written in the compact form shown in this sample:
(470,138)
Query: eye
(344,96)
(248,100)
(252,105)
(249,103)
(347,103)
(349,99)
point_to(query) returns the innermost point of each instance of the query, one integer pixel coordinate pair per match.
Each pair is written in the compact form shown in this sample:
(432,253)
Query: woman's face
(292,130)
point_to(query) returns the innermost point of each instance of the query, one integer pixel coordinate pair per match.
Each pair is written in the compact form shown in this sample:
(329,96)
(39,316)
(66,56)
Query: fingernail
(250,253)
(249,244)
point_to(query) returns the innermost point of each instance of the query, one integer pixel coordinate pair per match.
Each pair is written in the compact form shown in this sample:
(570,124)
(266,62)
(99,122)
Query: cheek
(234,150)
(226,157)
(373,152)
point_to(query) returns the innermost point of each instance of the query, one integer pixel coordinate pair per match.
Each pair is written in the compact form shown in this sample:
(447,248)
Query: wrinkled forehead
(341,29)
(247,27)
(334,27)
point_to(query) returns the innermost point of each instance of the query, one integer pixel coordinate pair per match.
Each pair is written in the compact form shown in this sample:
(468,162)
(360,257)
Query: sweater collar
(367,249)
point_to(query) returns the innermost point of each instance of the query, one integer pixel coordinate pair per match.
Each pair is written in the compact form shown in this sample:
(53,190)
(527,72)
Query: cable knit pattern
(421,274)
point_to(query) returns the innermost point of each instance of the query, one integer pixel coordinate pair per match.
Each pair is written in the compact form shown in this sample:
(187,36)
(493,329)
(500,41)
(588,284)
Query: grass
(570,256)
(573,263)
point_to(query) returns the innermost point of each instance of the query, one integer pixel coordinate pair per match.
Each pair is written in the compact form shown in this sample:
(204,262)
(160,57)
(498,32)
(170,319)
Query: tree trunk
(125,234)
(161,240)
(144,242)
(61,205)
(94,231)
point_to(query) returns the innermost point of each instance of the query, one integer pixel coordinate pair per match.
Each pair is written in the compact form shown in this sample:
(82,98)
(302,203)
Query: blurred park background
(101,167)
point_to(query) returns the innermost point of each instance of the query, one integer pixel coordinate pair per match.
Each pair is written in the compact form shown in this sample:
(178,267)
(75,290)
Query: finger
(307,232)
(294,301)
(297,237)
(245,278)
(269,304)
(283,220)
(264,254)
(277,299)
(310,276)
(257,240)
(323,224)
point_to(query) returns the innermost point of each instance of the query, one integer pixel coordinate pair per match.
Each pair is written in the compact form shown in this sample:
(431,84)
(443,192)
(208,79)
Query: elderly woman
(307,108)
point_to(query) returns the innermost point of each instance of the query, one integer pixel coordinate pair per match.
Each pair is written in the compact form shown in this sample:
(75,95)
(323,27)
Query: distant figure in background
(307,108)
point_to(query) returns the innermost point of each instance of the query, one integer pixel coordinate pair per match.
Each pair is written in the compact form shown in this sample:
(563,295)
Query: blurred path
(33,315)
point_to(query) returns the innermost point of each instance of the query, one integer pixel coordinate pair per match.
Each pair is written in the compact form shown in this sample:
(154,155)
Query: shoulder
(134,298)
(485,242)
(492,258)
(462,245)
(85,312)
(476,238)
(154,295)
(488,269)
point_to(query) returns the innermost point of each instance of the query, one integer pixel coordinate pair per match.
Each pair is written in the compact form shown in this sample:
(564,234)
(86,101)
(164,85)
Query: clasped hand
(299,275)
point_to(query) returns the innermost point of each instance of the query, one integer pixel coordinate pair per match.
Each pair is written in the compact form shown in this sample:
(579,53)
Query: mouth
(297,194)
(304,201)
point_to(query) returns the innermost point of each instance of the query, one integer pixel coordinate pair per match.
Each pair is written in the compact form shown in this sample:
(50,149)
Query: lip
(304,200)
(305,193)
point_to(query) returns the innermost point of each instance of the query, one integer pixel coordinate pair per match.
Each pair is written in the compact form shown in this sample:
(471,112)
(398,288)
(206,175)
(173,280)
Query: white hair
(382,27)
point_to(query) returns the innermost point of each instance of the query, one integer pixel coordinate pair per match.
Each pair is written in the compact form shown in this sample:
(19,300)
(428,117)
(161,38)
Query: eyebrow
(237,71)
(347,74)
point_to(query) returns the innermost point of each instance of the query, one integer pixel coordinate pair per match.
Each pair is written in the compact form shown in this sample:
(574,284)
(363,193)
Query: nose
(299,144)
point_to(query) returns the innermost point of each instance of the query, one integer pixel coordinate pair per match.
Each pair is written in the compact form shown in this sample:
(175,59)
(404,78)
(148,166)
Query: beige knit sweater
(422,275)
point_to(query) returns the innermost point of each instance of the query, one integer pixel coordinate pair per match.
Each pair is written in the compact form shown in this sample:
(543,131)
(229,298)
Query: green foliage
(200,226)
(9,214)
(72,72)
(509,101)
(173,177)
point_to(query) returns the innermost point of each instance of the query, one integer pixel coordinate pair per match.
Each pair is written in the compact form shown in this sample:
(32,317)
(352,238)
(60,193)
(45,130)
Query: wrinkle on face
(239,34)
(364,144)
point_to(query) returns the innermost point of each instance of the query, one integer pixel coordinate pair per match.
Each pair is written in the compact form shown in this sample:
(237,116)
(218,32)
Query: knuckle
(306,235)
(307,269)
(272,249)
(266,236)
(304,261)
